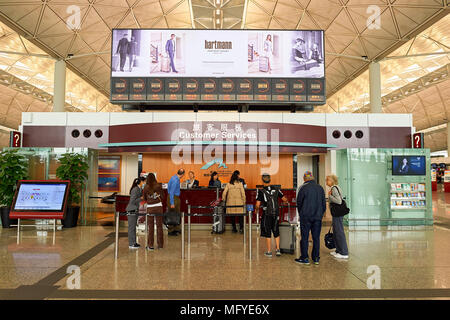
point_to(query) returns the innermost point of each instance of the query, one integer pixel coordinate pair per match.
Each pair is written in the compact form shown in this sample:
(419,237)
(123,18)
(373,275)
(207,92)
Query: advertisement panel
(226,64)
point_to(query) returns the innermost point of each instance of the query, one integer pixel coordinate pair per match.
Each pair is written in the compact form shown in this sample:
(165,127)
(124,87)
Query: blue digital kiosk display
(408,165)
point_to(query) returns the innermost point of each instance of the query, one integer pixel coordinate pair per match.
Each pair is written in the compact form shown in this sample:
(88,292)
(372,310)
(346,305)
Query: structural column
(448,139)
(59,86)
(375,87)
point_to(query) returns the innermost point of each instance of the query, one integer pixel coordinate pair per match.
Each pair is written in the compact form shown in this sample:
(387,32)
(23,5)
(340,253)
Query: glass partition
(42,165)
(376,196)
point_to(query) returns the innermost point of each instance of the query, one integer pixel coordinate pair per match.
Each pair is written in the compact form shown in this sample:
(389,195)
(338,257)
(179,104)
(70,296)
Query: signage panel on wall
(15,139)
(255,66)
(418,140)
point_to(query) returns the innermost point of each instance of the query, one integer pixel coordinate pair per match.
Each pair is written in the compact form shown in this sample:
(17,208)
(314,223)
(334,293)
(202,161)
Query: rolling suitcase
(263,64)
(218,226)
(287,235)
(165,64)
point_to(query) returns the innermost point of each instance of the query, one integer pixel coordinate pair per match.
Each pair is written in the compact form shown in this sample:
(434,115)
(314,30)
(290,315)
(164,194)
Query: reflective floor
(408,258)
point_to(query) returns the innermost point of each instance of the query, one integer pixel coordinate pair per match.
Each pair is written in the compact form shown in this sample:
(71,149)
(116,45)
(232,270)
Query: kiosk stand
(433,180)
(39,199)
(447,181)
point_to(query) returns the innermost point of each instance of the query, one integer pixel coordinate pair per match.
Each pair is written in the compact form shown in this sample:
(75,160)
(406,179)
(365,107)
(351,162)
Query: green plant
(13,167)
(73,167)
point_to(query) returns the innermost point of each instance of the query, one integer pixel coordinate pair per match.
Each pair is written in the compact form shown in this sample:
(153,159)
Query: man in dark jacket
(311,206)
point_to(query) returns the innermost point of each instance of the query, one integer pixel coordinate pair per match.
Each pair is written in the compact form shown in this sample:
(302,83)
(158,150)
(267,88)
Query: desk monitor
(41,196)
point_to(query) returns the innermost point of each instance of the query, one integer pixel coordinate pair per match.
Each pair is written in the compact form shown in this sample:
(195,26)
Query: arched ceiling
(406,27)
(44,22)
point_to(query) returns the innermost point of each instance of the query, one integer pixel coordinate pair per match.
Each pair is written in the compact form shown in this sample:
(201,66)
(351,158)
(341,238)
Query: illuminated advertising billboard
(217,65)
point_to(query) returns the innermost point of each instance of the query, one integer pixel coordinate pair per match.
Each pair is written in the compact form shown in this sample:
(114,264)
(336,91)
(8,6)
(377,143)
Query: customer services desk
(204,197)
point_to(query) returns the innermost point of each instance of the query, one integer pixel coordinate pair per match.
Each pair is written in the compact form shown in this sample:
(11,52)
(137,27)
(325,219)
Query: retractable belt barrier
(189,215)
(244,215)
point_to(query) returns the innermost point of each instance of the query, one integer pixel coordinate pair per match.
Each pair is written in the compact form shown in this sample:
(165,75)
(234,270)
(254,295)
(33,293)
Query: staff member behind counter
(214,182)
(192,182)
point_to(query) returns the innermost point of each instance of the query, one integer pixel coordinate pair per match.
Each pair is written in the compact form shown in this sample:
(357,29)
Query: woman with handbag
(336,201)
(234,195)
(153,196)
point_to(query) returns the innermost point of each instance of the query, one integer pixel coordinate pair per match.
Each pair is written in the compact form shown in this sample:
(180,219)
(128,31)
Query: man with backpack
(310,206)
(267,198)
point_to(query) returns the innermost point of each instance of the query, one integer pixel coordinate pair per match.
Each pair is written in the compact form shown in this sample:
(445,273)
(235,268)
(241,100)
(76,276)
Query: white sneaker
(333,253)
(340,256)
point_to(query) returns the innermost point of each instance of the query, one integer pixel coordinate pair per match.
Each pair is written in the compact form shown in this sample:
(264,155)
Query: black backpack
(272,207)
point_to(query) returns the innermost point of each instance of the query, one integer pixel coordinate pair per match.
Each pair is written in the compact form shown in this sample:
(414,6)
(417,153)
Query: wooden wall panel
(162,164)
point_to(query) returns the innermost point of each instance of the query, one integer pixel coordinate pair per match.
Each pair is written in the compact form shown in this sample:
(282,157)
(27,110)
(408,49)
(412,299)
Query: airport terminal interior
(126,122)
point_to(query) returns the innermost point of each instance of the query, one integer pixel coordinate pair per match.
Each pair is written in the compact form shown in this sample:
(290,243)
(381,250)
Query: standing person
(132,50)
(192,182)
(122,50)
(152,194)
(267,198)
(132,210)
(214,181)
(171,50)
(268,50)
(173,200)
(234,195)
(311,206)
(335,196)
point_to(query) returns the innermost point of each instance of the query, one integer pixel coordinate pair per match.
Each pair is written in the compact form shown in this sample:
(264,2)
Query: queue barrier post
(116,242)
(244,218)
(189,236)
(250,234)
(18,230)
(182,233)
(54,231)
(146,229)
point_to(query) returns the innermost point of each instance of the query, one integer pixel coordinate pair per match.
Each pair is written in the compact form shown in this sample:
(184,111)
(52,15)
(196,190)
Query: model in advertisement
(307,54)
(127,46)
(132,50)
(315,53)
(299,50)
(404,167)
(167,52)
(264,53)
(170,51)
(122,50)
(268,51)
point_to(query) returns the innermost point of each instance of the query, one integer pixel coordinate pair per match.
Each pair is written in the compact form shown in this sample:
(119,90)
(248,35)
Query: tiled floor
(416,258)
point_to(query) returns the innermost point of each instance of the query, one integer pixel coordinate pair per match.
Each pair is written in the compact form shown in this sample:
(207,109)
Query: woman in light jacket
(153,196)
(133,208)
(234,195)
(335,196)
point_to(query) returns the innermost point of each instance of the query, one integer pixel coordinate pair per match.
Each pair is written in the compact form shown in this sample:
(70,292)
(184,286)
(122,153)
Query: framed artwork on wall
(109,171)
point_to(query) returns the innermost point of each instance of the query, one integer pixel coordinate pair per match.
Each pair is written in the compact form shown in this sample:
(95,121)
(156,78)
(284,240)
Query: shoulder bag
(339,210)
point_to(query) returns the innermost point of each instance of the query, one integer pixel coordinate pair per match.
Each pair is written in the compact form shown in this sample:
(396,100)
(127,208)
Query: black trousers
(241,222)
(123,59)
